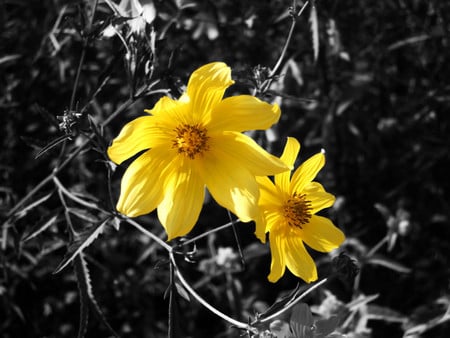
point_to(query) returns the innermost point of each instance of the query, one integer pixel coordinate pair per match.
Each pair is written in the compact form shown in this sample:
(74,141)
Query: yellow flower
(289,208)
(191,143)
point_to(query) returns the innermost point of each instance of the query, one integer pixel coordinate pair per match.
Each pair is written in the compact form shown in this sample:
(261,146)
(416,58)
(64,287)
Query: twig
(209,232)
(194,294)
(288,40)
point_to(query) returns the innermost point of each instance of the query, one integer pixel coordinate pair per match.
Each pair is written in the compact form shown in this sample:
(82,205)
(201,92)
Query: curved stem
(194,294)
(288,40)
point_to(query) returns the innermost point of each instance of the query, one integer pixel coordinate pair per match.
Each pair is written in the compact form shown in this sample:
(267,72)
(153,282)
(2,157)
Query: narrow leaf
(51,145)
(84,287)
(314,22)
(390,264)
(182,291)
(83,241)
(24,211)
(87,297)
(278,305)
(40,228)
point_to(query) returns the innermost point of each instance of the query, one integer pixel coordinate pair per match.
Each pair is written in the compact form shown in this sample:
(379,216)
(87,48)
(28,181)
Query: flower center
(191,140)
(297,210)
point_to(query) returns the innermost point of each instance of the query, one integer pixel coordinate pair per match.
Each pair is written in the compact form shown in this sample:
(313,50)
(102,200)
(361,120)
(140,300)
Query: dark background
(377,99)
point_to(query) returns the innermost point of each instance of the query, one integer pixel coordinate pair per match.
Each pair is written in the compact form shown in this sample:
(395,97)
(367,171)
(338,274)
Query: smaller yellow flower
(289,210)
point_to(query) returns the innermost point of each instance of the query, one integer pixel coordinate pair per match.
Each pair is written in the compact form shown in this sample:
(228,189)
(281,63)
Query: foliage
(365,81)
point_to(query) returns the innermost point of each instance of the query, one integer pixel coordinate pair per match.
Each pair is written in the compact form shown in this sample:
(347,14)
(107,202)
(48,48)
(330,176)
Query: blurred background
(366,81)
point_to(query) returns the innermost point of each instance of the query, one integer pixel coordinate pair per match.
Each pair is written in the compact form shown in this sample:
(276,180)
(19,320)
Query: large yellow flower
(289,208)
(193,142)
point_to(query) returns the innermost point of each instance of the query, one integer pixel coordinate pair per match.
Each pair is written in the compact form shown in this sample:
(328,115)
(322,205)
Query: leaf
(302,321)
(361,301)
(24,211)
(40,228)
(85,288)
(314,22)
(278,305)
(385,314)
(87,297)
(326,326)
(82,214)
(52,144)
(84,240)
(9,58)
(390,264)
(50,118)
(182,291)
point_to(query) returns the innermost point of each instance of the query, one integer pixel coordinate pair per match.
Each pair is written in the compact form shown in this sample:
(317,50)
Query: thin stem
(82,57)
(170,333)
(209,232)
(48,178)
(148,233)
(66,192)
(290,305)
(377,246)
(288,40)
(194,294)
(66,162)
(236,237)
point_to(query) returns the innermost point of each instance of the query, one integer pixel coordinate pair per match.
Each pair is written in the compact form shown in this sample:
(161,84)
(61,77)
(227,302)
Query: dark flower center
(297,210)
(191,140)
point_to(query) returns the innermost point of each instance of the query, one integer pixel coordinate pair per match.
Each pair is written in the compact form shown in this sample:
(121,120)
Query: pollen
(191,140)
(297,210)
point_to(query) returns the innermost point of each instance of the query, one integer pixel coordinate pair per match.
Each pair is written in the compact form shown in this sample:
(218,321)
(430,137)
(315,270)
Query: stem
(74,198)
(290,305)
(148,233)
(207,233)
(186,285)
(83,55)
(170,333)
(288,40)
(66,162)
(377,247)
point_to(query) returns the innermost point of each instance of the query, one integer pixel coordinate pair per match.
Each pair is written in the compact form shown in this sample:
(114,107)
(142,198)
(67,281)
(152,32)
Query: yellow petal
(142,184)
(164,104)
(206,87)
(274,219)
(244,112)
(289,156)
(183,199)
(320,200)
(270,196)
(137,135)
(306,172)
(260,227)
(233,186)
(321,234)
(247,153)
(278,251)
(313,187)
(298,260)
